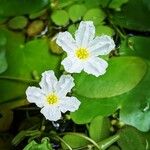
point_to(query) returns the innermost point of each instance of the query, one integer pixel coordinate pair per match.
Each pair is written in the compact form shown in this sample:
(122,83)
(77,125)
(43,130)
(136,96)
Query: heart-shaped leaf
(122,75)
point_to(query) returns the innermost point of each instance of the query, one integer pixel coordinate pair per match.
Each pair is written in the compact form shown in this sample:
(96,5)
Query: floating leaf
(90,108)
(18,22)
(74,141)
(76,12)
(104,30)
(3,61)
(96,15)
(135,109)
(113,147)
(117,80)
(147,3)
(23,60)
(17,7)
(131,19)
(60,17)
(38,14)
(45,145)
(95,3)
(99,128)
(136,46)
(72,28)
(116,4)
(131,139)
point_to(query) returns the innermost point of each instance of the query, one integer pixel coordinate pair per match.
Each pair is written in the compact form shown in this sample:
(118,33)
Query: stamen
(82,53)
(52,98)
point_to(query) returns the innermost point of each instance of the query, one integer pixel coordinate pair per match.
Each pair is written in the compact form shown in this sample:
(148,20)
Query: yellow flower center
(82,53)
(52,98)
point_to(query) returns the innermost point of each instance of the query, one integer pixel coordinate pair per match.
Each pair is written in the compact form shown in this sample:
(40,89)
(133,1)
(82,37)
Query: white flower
(51,97)
(83,52)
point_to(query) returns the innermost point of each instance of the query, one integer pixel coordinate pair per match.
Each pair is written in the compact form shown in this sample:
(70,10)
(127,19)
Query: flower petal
(51,113)
(96,66)
(65,84)
(72,65)
(35,95)
(66,41)
(69,104)
(101,45)
(85,33)
(48,81)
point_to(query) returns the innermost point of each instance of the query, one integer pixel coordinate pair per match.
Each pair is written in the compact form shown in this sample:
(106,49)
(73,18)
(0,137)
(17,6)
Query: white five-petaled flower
(51,96)
(83,52)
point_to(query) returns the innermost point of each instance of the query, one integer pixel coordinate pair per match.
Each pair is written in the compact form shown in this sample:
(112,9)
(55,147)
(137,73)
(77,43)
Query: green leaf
(76,12)
(102,29)
(62,4)
(108,142)
(91,108)
(3,61)
(60,17)
(72,28)
(45,145)
(115,4)
(147,3)
(17,7)
(131,19)
(116,81)
(95,3)
(136,46)
(74,141)
(18,22)
(131,139)
(23,61)
(99,128)
(114,147)
(38,14)
(23,134)
(135,108)
(96,15)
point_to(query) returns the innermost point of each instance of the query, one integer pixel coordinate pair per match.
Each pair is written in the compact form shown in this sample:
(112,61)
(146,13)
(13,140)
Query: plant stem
(107,142)
(85,137)
(68,146)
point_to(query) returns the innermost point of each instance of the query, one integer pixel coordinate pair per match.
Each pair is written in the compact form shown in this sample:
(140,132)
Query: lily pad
(99,128)
(136,142)
(17,7)
(104,30)
(116,81)
(74,141)
(90,108)
(18,22)
(133,15)
(45,145)
(76,12)
(23,60)
(96,15)
(3,61)
(135,109)
(136,46)
(60,17)
(116,4)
